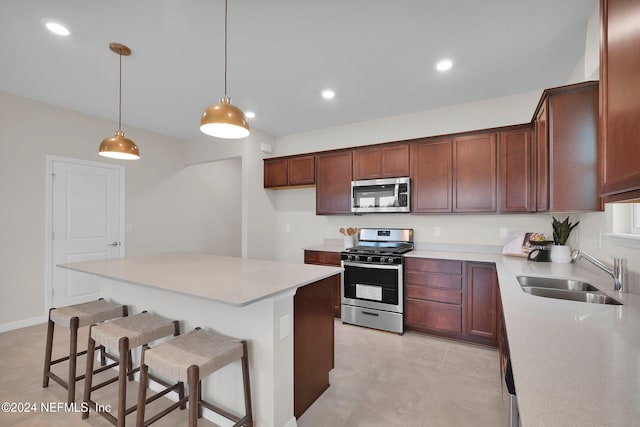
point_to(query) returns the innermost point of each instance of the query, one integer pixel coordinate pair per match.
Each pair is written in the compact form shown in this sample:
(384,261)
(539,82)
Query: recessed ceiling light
(328,94)
(58,29)
(250,115)
(444,65)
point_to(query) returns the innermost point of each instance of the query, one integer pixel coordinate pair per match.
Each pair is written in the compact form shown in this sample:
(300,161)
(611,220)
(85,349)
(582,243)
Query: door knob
(113,244)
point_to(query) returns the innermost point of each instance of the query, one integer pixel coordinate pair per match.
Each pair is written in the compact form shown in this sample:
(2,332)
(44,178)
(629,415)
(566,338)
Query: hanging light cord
(226,6)
(120,96)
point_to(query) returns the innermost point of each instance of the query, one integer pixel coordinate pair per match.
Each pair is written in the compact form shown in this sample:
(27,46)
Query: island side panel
(313,341)
(256,323)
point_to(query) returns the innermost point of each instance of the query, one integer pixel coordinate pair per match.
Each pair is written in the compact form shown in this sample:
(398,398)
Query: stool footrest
(220,411)
(164,412)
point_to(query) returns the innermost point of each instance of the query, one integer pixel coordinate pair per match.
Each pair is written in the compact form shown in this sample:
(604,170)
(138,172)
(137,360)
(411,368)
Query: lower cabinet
(327,258)
(455,299)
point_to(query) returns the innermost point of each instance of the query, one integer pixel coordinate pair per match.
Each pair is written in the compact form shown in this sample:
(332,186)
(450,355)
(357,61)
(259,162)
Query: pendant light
(224,120)
(117,146)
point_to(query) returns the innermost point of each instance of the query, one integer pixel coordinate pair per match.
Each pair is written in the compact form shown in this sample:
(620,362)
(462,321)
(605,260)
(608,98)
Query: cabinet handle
(370,314)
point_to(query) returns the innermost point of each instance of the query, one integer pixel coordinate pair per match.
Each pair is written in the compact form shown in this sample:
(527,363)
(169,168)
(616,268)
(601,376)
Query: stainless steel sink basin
(554,283)
(592,297)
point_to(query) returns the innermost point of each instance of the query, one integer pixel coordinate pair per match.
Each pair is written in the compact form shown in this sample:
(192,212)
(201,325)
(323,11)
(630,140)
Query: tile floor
(380,379)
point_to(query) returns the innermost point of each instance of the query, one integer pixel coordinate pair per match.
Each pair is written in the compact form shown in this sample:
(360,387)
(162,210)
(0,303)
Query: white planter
(348,241)
(561,254)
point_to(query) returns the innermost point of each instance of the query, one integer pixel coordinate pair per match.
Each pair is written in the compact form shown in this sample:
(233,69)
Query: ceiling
(377,55)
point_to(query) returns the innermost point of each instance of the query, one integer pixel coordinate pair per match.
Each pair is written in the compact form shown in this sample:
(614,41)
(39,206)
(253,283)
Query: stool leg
(73,356)
(142,391)
(123,347)
(88,376)
(47,352)
(181,395)
(247,387)
(193,378)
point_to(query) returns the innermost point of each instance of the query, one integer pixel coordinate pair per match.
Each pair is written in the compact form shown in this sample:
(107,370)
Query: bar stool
(190,358)
(124,334)
(75,317)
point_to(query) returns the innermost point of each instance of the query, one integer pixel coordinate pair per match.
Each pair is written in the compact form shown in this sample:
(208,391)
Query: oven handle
(378,266)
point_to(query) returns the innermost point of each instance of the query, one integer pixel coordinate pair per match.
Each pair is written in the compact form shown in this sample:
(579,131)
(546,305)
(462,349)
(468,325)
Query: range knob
(369,259)
(357,258)
(349,257)
(390,260)
(382,259)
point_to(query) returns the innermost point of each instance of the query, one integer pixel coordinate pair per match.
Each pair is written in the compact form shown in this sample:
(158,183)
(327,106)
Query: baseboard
(5,327)
(291,423)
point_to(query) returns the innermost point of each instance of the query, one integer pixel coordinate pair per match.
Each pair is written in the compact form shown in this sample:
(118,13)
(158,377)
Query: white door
(87,224)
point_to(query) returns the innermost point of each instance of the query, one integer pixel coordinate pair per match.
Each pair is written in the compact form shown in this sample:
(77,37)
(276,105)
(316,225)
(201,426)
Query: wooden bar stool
(190,358)
(75,317)
(124,334)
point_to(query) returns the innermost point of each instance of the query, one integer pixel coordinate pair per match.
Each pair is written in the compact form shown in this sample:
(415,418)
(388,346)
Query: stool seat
(207,350)
(87,313)
(139,329)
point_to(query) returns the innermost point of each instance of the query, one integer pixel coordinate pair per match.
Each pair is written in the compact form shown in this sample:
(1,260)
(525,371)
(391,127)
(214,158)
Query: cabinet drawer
(322,258)
(434,265)
(418,278)
(434,294)
(434,315)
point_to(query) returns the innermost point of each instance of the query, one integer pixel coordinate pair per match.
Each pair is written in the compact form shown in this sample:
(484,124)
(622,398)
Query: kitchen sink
(566,289)
(553,283)
(592,297)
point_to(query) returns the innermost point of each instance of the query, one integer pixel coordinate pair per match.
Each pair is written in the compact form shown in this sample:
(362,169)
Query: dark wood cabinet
(566,123)
(431,176)
(313,342)
(454,299)
(327,258)
(482,301)
(620,100)
(387,161)
(289,172)
(434,296)
(475,173)
(516,170)
(333,183)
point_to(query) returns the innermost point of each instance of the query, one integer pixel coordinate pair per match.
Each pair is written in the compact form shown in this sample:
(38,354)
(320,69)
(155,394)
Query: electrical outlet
(287,228)
(504,231)
(285,329)
(436,231)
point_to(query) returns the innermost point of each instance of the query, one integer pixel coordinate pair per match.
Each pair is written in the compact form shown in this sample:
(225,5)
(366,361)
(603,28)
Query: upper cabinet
(620,100)
(386,161)
(475,174)
(517,178)
(286,172)
(333,183)
(431,176)
(566,123)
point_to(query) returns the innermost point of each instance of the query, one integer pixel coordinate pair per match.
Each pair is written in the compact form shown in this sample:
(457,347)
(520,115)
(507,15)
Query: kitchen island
(244,298)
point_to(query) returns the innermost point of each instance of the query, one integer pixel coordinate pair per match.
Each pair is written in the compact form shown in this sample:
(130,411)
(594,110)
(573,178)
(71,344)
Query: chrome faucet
(619,272)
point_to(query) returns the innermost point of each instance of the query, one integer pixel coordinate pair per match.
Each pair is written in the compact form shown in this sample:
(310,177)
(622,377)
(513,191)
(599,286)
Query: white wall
(161,196)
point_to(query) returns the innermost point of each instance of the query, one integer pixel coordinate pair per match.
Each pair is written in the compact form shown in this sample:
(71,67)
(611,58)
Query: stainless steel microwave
(381,195)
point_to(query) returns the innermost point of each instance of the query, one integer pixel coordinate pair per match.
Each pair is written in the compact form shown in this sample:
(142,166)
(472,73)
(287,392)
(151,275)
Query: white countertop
(230,280)
(574,363)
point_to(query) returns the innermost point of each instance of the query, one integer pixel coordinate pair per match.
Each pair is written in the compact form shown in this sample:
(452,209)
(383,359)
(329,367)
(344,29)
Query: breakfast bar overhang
(266,303)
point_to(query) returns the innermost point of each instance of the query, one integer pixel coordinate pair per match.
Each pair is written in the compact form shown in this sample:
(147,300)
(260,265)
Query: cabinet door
(275,173)
(366,163)
(474,173)
(432,315)
(542,160)
(394,161)
(573,133)
(620,103)
(431,174)
(333,183)
(301,170)
(515,170)
(327,258)
(482,301)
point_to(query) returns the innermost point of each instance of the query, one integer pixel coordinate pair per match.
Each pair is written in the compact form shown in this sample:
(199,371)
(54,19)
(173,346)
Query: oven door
(372,286)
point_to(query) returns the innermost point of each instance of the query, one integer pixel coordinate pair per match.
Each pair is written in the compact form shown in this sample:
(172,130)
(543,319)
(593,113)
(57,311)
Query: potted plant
(560,252)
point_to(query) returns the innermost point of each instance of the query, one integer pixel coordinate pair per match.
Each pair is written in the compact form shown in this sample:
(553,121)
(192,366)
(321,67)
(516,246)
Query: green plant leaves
(561,230)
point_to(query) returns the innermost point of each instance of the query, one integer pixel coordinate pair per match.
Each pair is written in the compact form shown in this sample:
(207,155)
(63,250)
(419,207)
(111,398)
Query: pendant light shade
(117,146)
(224,120)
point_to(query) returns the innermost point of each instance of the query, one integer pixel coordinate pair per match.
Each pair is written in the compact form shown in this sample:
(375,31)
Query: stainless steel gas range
(372,283)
